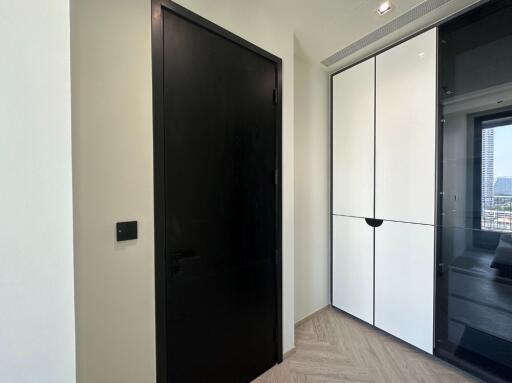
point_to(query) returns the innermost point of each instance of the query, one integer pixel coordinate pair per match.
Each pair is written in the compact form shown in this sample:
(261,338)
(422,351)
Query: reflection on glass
(474,300)
(496,174)
(474,242)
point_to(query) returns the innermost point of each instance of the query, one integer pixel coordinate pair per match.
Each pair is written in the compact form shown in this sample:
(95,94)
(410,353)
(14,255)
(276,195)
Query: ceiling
(323,27)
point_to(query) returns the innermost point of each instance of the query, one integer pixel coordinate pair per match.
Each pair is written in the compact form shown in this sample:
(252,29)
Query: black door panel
(220,202)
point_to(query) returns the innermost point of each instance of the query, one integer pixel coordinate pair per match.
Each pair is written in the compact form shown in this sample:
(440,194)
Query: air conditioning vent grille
(394,25)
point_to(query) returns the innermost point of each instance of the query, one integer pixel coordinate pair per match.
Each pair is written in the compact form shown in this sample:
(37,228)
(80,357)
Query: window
(496,173)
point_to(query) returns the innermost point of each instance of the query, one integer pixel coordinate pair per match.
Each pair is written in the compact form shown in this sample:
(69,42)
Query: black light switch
(126,231)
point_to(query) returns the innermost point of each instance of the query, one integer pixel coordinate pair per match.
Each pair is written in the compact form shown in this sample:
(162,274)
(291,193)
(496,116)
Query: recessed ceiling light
(385,7)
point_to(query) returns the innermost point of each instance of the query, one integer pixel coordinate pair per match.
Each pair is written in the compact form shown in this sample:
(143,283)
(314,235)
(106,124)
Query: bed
(480,302)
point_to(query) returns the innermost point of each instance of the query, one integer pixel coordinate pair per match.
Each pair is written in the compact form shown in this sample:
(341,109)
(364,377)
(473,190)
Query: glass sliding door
(473,326)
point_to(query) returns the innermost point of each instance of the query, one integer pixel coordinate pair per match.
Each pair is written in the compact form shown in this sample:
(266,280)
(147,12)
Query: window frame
(483,238)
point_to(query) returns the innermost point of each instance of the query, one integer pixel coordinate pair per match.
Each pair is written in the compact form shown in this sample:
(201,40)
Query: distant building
(487,166)
(503,186)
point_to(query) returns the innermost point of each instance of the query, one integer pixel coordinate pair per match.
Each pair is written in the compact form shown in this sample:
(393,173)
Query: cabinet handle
(374,222)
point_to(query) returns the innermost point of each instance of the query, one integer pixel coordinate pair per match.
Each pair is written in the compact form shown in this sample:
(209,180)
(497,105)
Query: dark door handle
(184,254)
(374,222)
(177,257)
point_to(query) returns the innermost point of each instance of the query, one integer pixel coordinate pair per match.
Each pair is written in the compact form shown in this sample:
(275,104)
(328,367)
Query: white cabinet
(384,130)
(404,282)
(352,267)
(406,126)
(353,140)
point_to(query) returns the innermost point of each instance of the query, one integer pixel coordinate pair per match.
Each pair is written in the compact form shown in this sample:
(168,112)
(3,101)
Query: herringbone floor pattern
(333,347)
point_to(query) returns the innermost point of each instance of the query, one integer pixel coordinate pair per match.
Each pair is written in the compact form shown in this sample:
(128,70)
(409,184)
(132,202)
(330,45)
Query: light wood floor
(333,347)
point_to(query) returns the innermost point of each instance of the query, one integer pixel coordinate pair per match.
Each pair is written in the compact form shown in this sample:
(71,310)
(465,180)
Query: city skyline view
(496,173)
(502,151)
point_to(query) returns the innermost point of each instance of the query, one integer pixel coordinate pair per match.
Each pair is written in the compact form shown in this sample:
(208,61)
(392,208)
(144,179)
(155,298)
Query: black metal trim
(159,197)
(385,220)
(374,135)
(279,204)
(331,209)
(373,249)
(374,171)
(437,167)
(157,7)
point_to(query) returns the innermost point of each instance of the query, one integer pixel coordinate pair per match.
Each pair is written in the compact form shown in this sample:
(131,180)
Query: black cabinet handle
(374,222)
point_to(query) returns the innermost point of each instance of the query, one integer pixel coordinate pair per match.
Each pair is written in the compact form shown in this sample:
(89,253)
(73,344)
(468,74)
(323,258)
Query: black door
(217,205)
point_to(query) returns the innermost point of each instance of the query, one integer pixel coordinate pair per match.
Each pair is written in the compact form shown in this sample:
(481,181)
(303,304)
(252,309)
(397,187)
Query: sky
(503,151)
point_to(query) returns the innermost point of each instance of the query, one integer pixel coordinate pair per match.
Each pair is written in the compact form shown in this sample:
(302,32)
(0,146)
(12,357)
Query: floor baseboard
(289,353)
(292,351)
(311,316)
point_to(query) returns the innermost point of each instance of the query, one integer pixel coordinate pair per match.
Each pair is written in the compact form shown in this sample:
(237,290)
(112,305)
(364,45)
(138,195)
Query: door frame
(157,7)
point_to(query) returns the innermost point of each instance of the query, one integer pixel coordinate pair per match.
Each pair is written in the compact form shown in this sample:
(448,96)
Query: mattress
(480,297)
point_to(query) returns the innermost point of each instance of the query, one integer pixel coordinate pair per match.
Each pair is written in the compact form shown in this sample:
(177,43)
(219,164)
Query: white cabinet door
(404,282)
(353,140)
(406,131)
(352,267)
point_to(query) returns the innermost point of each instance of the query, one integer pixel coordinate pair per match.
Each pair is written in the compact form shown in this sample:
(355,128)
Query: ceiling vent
(394,25)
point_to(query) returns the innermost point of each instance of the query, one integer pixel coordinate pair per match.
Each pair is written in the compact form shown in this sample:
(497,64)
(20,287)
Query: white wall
(113,168)
(113,181)
(37,331)
(311,110)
